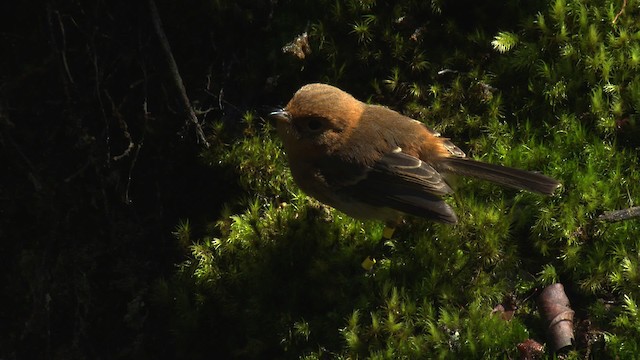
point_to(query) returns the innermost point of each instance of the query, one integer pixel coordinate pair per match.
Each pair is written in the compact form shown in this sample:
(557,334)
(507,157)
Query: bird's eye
(309,126)
(314,124)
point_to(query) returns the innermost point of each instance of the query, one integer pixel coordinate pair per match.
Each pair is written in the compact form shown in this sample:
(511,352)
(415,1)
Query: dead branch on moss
(620,215)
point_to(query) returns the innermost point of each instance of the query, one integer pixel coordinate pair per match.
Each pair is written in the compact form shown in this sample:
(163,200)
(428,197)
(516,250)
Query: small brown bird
(371,162)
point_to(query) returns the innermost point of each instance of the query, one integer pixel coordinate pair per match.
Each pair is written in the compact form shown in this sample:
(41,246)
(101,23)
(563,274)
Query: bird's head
(318,117)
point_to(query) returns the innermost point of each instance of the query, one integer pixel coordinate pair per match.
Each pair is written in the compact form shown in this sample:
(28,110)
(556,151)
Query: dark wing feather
(404,183)
(412,172)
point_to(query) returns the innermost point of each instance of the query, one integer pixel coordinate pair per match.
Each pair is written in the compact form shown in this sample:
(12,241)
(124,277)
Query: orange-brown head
(319,117)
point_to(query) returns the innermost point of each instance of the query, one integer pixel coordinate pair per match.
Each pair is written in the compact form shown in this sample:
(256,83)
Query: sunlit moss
(549,95)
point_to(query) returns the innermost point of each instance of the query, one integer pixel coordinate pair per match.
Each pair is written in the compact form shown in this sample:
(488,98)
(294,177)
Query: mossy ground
(555,89)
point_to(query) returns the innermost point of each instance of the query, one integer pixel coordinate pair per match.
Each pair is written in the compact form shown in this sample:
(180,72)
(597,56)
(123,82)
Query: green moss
(285,270)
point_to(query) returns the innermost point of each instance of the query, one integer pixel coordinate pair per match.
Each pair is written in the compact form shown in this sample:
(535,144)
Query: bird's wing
(411,172)
(404,183)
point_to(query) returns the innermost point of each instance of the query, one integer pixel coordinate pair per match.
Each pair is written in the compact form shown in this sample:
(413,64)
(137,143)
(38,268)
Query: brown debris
(530,350)
(554,307)
(299,47)
(507,308)
(589,339)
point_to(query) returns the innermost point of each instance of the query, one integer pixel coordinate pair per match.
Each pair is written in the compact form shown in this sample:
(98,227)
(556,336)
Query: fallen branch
(620,215)
(174,74)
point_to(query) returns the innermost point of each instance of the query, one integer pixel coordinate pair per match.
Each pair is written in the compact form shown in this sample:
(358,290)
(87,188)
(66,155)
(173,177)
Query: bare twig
(34,174)
(59,49)
(6,141)
(63,46)
(78,172)
(172,68)
(620,215)
(127,199)
(97,85)
(624,5)
(115,111)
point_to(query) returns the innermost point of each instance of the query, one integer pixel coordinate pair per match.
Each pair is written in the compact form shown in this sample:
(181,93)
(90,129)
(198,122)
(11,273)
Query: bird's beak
(280,115)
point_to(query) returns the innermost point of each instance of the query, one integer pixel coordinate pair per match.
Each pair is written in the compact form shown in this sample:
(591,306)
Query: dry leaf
(299,47)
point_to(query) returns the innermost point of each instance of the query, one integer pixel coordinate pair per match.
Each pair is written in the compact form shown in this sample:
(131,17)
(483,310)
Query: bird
(371,162)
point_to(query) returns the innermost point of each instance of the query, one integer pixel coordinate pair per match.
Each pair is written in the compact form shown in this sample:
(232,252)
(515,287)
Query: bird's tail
(502,175)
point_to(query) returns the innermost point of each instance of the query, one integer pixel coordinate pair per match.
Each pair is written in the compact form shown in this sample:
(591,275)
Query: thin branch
(174,74)
(63,52)
(620,215)
(78,172)
(127,199)
(115,111)
(33,174)
(59,50)
(624,5)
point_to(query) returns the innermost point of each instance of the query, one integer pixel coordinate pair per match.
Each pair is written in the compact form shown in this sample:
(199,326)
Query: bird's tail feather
(502,175)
